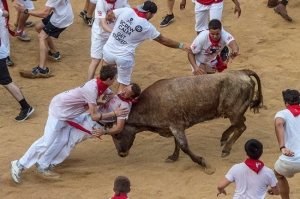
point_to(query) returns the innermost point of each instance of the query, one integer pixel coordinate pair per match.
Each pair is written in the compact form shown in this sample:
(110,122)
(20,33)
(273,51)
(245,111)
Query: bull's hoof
(210,171)
(168,160)
(203,163)
(224,154)
(223,143)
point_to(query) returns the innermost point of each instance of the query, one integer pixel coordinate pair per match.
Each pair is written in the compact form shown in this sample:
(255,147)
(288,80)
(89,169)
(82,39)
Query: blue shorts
(50,29)
(5,78)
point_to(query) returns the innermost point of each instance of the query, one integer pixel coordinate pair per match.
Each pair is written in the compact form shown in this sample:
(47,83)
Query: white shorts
(287,169)
(27,3)
(93,1)
(97,45)
(201,14)
(124,66)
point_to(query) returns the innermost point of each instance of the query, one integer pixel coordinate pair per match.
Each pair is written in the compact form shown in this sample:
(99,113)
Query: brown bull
(170,106)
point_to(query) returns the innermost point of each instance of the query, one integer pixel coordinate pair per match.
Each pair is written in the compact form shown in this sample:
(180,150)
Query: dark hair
(291,97)
(135,89)
(108,71)
(215,24)
(122,185)
(254,149)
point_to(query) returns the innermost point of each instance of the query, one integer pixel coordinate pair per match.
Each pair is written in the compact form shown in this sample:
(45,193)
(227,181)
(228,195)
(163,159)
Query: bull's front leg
(183,144)
(175,155)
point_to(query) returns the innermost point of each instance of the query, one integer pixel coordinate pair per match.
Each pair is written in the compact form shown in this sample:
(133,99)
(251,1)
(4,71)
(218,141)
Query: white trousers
(66,141)
(52,129)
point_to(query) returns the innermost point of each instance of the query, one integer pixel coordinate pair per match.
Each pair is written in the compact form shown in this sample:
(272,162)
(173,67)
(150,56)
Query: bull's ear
(117,136)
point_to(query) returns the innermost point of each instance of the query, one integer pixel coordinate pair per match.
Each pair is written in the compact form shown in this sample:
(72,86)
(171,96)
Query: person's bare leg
(15,91)
(22,20)
(92,68)
(86,5)
(18,17)
(170,4)
(121,87)
(51,45)
(283,186)
(43,48)
(90,10)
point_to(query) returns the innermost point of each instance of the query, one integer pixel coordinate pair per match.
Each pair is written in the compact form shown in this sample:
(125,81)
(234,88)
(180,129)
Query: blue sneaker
(38,69)
(55,55)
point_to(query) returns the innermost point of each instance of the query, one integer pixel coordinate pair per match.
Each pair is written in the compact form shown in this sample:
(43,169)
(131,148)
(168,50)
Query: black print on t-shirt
(125,29)
(139,28)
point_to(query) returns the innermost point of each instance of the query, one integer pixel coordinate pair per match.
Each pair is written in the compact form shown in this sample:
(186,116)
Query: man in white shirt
(57,16)
(81,127)
(287,129)
(251,177)
(67,106)
(131,29)
(204,57)
(101,30)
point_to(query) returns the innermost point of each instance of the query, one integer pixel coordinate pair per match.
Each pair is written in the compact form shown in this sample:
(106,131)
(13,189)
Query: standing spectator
(287,129)
(4,32)
(170,16)
(131,29)
(87,12)
(57,16)
(251,177)
(67,106)
(6,81)
(281,10)
(101,30)
(121,188)
(204,57)
(22,20)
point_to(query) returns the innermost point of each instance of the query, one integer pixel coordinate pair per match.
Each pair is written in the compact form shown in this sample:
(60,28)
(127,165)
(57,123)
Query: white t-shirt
(111,105)
(3,50)
(102,7)
(291,135)
(62,13)
(129,31)
(204,50)
(249,184)
(71,103)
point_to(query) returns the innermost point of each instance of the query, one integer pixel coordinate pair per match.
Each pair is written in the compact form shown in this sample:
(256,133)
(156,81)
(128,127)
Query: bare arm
(114,130)
(170,43)
(222,185)
(37,13)
(274,190)
(237,8)
(103,24)
(279,130)
(110,16)
(182,4)
(5,13)
(96,116)
(234,49)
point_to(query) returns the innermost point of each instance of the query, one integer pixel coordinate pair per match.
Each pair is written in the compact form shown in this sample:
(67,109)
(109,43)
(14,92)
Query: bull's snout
(123,154)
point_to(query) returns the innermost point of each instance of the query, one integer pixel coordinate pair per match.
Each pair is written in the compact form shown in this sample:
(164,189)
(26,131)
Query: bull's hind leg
(175,155)
(183,144)
(227,133)
(239,127)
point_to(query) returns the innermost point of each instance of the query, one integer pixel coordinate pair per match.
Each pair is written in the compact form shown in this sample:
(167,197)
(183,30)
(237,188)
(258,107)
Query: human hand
(4,13)
(97,132)
(108,97)
(186,48)
(121,111)
(222,191)
(270,192)
(20,7)
(287,152)
(182,4)
(199,71)
(238,10)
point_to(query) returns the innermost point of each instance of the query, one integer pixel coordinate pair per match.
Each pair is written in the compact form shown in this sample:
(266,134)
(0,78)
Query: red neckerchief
(111,2)
(127,100)
(255,165)
(101,87)
(295,109)
(119,196)
(220,66)
(140,14)
(78,126)
(213,42)
(12,33)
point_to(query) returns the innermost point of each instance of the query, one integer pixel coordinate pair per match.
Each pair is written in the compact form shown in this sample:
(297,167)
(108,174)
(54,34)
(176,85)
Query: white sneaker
(47,173)
(24,37)
(15,171)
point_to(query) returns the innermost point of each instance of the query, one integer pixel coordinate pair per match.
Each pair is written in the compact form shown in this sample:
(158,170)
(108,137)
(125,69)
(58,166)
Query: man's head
(149,8)
(108,74)
(215,28)
(122,185)
(131,91)
(291,97)
(254,149)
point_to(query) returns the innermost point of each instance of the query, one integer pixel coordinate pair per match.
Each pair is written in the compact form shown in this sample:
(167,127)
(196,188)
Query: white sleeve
(280,114)
(227,37)
(153,33)
(126,4)
(231,173)
(52,3)
(118,11)
(100,11)
(197,44)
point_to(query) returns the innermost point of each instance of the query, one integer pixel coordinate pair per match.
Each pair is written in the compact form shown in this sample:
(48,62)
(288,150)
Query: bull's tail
(257,102)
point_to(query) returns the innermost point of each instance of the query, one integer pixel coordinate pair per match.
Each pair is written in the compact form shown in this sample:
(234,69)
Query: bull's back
(189,100)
